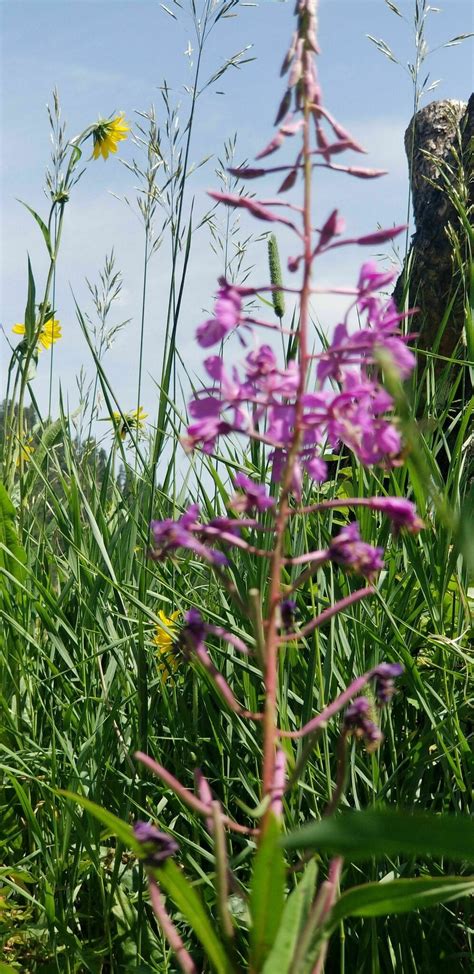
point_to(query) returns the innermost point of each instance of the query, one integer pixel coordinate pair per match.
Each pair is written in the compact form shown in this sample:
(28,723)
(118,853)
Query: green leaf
(50,436)
(293,919)
(30,317)
(399,896)
(465,533)
(187,901)
(75,155)
(12,554)
(267,894)
(140,957)
(114,824)
(387,832)
(469,316)
(42,226)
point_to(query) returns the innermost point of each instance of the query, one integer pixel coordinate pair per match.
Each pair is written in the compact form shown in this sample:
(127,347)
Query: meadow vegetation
(354,848)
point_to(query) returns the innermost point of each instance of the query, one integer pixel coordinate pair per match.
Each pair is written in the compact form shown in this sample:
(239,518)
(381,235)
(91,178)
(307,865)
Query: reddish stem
(327,614)
(329,890)
(187,796)
(184,959)
(272,639)
(329,505)
(332,708)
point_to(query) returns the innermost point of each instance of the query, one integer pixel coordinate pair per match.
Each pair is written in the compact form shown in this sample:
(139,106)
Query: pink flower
(251,496)
(357,721)
(227,309)
(401,512)
(372,279)
(157,846)
(206,431)
(348,549)
(384,675)
(169,535)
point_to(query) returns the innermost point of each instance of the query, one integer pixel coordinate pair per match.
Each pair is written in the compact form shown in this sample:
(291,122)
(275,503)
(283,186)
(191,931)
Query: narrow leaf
(399,896)
(267,893)
(12,554)
(42,226)
(51,434)
(386,832)
(114,824)
(293,919)
(30,317)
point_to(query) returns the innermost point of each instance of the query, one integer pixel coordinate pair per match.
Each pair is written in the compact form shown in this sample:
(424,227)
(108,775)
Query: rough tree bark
(445,130)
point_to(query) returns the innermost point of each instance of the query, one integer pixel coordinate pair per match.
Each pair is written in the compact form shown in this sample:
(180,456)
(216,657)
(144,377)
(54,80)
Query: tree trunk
(439,148)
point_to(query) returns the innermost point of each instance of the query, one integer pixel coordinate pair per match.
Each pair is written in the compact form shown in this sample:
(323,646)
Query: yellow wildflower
(137,418)
(168,661)
(127,421)
(49,334)
(107,134)
(26,449)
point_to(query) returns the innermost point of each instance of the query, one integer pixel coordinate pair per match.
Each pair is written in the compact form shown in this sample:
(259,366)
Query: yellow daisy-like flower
(26,449)
(49,334)
(137,418)
(132,420)
(107,134)
(168,661)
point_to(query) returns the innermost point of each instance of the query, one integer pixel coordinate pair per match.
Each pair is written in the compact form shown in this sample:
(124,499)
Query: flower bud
(157,846)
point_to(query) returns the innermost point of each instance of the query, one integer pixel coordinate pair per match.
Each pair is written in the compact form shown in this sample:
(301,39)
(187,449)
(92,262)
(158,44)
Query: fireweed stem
(187,796)
(272,641)
(184,959)
(327,614)
(331,505)
(332,708)
(328,893)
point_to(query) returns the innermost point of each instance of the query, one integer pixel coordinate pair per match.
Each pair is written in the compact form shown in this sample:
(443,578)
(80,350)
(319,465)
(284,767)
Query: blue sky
(113,55)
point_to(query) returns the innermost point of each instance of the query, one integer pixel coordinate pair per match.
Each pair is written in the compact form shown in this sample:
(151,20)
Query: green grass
(81,687)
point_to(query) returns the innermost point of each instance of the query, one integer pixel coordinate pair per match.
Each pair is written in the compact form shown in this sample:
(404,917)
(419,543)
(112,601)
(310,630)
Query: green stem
(142,324)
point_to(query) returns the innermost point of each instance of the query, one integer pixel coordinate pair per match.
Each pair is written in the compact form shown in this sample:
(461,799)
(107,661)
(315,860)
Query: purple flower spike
(288,612)
(157,846)
(358,721)
(253,496)
(401,512)
(194,625)
(347,549)
(384,675)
